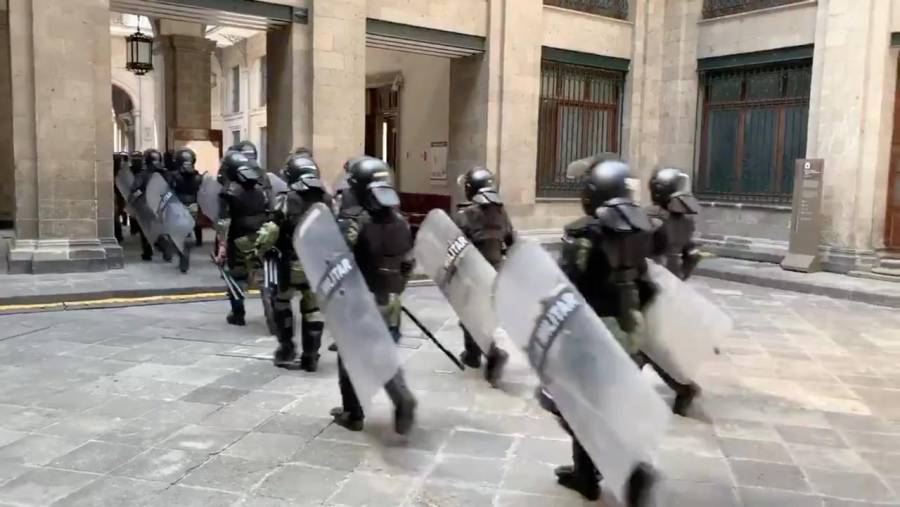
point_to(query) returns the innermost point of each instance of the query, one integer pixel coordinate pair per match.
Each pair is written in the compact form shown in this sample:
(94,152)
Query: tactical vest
(248,208)
(678,228)
(295,207)
(383,245)
(621,240)
(487,227)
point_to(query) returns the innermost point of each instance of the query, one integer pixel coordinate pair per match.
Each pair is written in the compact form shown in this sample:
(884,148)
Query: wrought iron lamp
(139,52)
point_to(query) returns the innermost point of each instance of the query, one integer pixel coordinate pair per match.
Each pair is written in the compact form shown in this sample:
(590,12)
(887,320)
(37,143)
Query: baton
(432,338)
(232,286)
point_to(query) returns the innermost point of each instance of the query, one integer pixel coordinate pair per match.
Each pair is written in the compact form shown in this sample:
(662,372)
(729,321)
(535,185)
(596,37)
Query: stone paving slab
(167,405)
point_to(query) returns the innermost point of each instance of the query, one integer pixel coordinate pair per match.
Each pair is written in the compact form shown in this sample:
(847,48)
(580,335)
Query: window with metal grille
(579,117)
(754,127)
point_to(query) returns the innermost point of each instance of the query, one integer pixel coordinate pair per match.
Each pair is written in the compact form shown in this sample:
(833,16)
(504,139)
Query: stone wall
(578,31)
(780,27)
(462,16)
(338,82)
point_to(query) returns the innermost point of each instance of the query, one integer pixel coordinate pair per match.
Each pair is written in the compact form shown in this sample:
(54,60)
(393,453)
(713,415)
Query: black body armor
(248,209)
(605,257)
(382,251)
(488,227)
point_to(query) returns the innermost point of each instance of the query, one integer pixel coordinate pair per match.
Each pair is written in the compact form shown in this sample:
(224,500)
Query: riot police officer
(244,209)
(674,207)
(152,164)
(381,241)
(483,219)
(306,189)
(604,255)
(184,180)
(120,162)
(672,212)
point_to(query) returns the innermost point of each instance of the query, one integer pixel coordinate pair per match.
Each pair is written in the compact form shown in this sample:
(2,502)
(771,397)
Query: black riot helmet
(666,182)
(184,159)
(153,160)
(301,173)
(604,181)
(479,186)
(372,184)
(247,174)
(247,148)
(231,162)
(136,161)
(669,188)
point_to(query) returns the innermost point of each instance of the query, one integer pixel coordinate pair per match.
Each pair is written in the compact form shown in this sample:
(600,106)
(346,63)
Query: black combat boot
(236,315)
(471,357)
(586,485)
(310,342)
(332,347)
(286,354)
(639,486)
(404,403)
(347,419)
(684,396)
(496,361)
(184,260)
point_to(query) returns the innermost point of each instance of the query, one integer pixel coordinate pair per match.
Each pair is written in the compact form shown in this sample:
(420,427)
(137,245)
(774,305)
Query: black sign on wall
(806,218)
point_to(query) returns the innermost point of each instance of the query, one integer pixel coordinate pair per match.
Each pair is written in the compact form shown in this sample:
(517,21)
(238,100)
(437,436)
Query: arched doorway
(123,120)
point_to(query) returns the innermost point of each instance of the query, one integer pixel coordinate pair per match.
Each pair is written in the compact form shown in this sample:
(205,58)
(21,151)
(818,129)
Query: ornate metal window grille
(610,8)
(718,8)
(754,127)
(579,117)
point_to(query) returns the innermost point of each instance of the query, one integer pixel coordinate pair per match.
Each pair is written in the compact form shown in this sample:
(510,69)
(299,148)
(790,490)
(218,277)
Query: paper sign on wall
(438,155)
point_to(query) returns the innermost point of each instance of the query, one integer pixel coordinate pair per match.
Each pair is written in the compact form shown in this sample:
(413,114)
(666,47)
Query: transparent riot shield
(351,315)
(462,273)
(208,197)
(174,218)
(138,208)
(610,406)
(683,327)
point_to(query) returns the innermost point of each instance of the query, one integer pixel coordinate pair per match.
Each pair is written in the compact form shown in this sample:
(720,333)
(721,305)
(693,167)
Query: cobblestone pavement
(167,405)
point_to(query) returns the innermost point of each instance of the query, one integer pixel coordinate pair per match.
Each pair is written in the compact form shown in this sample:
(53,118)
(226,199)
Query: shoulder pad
(483,198)
(685,204)
(463,205)
(623,216)
(579,227)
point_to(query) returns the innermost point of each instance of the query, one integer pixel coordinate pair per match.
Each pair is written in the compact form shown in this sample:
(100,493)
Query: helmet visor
(384,194)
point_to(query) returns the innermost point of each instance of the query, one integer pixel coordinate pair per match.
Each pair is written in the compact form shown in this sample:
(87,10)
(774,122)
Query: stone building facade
(730,91)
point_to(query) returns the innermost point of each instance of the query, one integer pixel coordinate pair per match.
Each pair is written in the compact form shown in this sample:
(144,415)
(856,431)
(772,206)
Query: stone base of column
(63,256)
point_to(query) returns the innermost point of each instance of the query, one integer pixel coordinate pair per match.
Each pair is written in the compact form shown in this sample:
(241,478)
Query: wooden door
(892,224)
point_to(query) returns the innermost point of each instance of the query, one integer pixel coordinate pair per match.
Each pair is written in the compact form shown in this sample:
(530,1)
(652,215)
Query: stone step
(889,262)
(871,275)
(887,271)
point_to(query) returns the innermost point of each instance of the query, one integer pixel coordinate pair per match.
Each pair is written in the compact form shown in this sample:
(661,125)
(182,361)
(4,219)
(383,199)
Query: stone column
(338,82)
(7,173)
(852,100)
(62,136)
(678,109)
(468,120)
(516,54)
(186,58)
(288,91)
(641,139)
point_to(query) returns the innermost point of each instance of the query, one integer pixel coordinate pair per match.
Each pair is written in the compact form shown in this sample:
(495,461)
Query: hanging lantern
(139,52)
